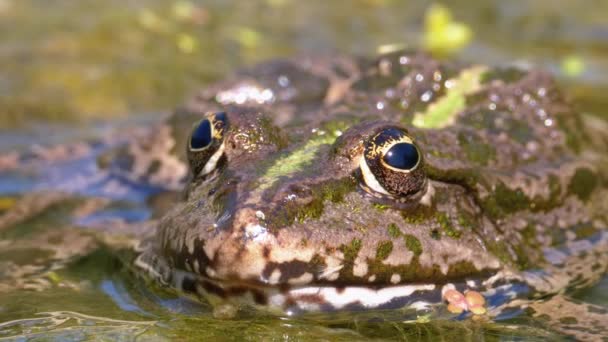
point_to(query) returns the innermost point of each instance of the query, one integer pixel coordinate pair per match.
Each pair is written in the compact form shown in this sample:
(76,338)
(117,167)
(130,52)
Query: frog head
(361,204)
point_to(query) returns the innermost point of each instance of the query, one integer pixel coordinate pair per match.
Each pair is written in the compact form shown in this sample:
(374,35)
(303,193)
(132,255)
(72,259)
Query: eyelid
(369,178)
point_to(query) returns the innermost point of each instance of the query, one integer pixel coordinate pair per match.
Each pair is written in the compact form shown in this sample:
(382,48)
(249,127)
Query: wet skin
(338,184)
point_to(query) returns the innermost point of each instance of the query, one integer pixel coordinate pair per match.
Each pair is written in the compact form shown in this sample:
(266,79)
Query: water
(75,71)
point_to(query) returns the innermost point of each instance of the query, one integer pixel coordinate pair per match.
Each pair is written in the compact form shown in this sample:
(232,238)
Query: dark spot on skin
(153,167)
(582,184)
(384,250)
(211,288)
(568,320)
(259,297)
(413,244)
(505,201)
(393,230)
(284,288)
(597,309)
(266,252)
(289,269)
(184,257)
(544,317)
(189,285)
(435,234)
(125,161)
(350,253)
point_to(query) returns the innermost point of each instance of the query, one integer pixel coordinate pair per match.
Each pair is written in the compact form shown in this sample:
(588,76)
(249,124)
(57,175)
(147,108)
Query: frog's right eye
(392,164)
(206,143)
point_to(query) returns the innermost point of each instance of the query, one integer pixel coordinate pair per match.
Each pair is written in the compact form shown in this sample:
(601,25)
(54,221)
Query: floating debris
(442,35)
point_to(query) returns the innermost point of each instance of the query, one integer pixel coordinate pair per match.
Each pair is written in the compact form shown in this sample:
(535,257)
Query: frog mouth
(296,300)
(290,300)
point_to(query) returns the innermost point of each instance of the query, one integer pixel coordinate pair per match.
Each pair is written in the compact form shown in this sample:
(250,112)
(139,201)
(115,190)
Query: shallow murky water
(90,70)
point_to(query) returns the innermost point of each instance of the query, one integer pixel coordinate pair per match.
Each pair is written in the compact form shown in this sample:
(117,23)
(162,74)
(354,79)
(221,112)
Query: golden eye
(391,164)
(206,143)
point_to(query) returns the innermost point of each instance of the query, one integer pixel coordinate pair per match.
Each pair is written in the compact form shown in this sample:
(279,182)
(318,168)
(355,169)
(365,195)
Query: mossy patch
(380,207)
(447,227)
(350,252)
(504,74)
(476,149)
(582,184)
(393,230)
(333,191)
(568,320)
(585,231)
(384,249)
(413,244)
(505,201)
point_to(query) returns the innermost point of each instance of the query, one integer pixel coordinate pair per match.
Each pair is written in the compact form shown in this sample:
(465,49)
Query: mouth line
(290,300)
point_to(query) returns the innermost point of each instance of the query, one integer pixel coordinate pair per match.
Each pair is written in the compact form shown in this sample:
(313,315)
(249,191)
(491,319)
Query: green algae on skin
(443,111)
(384,249)
(448,229)
(475,149)
(294,161)
(582,184)
(411,242)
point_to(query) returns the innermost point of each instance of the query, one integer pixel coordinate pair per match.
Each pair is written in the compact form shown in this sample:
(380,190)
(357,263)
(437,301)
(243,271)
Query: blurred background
(64,61)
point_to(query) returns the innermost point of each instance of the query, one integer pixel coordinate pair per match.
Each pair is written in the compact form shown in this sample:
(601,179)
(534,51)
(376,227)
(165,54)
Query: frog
(388,183)
(350,184)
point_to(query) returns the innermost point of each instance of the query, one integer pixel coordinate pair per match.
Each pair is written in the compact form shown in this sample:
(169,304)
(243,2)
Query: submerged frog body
(346,185)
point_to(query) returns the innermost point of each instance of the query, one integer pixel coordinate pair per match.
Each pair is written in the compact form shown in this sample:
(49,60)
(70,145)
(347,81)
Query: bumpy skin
(515,189)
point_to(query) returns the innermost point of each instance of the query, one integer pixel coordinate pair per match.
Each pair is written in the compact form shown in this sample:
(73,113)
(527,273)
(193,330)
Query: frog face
(360,204)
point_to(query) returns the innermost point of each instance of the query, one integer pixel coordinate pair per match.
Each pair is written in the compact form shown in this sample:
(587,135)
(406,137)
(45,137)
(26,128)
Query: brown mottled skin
(511,189)
(507,185)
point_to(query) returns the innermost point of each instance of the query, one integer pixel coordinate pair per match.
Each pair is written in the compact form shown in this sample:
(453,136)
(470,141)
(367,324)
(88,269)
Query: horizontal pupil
(403,156)
(201,137)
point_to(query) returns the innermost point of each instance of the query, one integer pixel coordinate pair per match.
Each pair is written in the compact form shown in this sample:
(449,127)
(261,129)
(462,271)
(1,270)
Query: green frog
(354,184)
(344,184)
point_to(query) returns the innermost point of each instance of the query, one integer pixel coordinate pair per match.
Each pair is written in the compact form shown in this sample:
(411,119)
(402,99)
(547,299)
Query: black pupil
(402,156)
(201,137)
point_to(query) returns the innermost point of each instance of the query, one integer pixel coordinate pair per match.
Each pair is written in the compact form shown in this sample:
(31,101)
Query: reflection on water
(74,61)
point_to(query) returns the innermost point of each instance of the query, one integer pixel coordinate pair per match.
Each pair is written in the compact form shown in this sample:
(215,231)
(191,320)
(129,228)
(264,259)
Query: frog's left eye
(206,143)
(392,164)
